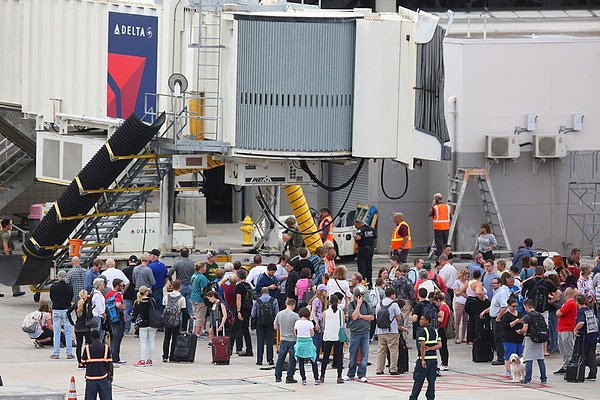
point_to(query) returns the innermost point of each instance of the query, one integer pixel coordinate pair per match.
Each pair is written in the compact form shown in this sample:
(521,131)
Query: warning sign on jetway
(132,64)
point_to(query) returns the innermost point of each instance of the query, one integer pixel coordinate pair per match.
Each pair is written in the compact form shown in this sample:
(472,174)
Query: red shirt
(566,322)
(444,307)
(439,281)
(229,294)
(575,271)
(118,298)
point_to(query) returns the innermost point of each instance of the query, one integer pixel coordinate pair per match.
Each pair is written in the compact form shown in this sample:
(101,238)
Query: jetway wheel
(37,296)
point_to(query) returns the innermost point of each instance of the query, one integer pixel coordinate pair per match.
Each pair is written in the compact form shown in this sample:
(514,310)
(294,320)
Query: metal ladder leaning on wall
(117,205)
(490,208)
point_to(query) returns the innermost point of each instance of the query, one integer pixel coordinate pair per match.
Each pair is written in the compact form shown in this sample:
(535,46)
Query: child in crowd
(304,348)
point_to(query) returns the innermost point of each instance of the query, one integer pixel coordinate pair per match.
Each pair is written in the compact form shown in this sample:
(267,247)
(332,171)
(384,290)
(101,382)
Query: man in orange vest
(326,225)
(441,214)
(401,239)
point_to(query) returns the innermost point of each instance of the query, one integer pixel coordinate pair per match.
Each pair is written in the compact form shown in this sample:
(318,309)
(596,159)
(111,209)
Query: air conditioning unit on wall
(502,146)
(549,146)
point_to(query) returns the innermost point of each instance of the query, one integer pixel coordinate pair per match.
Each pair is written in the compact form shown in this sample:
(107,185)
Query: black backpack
(539,295)
(383,316)
(537,328)
(211,287)
(431,310)
(249,298)
(266,316)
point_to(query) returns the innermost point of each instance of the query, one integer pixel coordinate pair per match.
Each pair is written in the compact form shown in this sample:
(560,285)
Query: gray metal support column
(167,212)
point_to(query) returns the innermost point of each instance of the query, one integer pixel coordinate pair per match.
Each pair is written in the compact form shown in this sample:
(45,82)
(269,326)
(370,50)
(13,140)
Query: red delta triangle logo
(124,78)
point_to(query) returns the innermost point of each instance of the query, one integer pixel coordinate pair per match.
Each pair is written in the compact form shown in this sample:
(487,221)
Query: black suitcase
(185,348)
(483,347)
(402,356)
(575,370)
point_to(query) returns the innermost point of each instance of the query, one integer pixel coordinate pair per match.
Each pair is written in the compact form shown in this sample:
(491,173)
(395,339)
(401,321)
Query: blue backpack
(111,308)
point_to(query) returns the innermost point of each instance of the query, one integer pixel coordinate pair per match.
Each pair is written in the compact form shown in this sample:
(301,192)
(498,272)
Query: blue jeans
(359,341)
(285,347)
(318,342)
(553,331)
(529,371)
(186,291)
(128,309)
(101,388)
(116,336)
(59,320)
(157,294)
(419,376)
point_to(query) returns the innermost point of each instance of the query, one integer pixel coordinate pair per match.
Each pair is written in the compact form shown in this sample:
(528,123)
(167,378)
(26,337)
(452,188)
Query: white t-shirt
(337,286)
(303,327)
(448,273)
(98,304)
(255,273)
(112,273)
(456,287)
(429,285)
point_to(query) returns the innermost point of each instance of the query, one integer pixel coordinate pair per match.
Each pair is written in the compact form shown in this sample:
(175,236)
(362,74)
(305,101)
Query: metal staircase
(116,205)
(490,207)
(12,161)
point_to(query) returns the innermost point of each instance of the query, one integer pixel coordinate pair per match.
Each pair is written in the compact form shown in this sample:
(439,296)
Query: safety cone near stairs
(72,390)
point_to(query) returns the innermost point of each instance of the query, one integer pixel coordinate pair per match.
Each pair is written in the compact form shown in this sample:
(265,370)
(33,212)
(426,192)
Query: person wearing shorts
(199,282)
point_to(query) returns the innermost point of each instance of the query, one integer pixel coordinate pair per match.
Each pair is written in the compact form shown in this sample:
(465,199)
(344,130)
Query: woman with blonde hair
(338,285)
(460,299)
(141,317)
(317,305)
(83,312)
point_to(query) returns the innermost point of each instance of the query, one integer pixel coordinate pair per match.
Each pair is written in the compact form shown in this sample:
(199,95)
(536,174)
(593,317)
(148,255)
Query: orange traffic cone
(72,390)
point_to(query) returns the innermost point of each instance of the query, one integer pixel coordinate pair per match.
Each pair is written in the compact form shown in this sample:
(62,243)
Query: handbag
(343,335)
(155,317)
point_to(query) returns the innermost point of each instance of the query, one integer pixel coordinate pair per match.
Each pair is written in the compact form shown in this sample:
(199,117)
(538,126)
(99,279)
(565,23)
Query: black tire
(37,296)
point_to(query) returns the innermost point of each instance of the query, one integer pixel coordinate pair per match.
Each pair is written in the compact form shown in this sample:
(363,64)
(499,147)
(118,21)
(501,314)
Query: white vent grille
(502,146)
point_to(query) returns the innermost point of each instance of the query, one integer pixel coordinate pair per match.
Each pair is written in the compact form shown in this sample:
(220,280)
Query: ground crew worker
(441,214)
(326,225)
(426,364)
(7,249)
(365,239)
(292,238)
(98,369)
(401,240)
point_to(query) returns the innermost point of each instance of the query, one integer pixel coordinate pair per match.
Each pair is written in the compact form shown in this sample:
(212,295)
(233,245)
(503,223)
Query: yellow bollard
(306,223)
(247,227)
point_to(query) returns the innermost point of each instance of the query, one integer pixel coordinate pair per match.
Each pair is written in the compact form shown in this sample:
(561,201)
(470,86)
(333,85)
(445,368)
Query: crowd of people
(310,308)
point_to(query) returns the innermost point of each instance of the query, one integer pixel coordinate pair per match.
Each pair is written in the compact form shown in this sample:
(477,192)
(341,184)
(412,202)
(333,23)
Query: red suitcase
(221,350)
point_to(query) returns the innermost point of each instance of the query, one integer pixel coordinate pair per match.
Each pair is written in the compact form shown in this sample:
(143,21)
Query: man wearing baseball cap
(211,265)
(159,270)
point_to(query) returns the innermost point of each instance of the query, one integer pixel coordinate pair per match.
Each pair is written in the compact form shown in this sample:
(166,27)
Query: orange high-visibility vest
(328,220)
(441,217)
(330,265)
(398,241)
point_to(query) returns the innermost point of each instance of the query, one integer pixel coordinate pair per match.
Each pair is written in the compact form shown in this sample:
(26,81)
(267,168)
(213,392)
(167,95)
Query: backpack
(373,297)
(590,321)
(450,333)
(431,310)
(415,275)
(383,319)
(266,316)
(537,328)
(90,322)
(171,315)
(111,308)
(31,322)
(249,298)
(539,295)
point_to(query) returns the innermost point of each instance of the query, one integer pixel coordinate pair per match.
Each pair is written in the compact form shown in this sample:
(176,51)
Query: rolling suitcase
(483,347)
(221,350)
(575,368)
(402,356)
(185,348)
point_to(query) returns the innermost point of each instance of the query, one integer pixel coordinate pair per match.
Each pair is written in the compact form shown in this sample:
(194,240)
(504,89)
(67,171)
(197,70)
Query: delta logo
(132,30)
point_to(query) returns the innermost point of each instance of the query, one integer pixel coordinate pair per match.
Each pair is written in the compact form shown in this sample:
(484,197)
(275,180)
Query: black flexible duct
(99,173)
